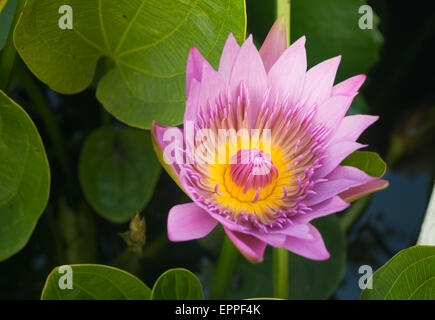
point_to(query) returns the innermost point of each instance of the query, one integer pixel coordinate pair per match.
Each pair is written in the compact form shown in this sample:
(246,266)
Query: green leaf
(177,284)
(148,41)
(118,171)
(24,176)
(7,9)
(332,29)
(369,162)
(307,277)
(409,274)
(95,282)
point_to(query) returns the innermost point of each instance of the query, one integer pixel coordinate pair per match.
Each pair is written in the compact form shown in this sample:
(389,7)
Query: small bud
(135,237)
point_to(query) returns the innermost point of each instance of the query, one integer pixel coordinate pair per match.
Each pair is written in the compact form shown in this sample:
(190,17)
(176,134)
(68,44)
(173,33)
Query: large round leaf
(148,41)
(118,171)
(24,177)
(332,29)
(307,277)
(177,284)
(94,282)
(410,274)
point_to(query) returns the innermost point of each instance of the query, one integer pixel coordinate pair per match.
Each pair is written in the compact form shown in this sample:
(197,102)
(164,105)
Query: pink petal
(349,86)
(248,67)
(212,84)
(274,44)
(276,239)
(251,247)
(362,190)
(331,112)
(299,230)
(330,206)
(188,221)
(229,54)
(334,155)
(192,101)
(157,134)
(318,82)
(203,91)
(286,77)
(339,180)
(351,127)
(313,249)
(194,67)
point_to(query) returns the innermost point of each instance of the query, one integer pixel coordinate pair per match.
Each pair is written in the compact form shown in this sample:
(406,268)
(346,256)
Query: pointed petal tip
(359,80)
(349,86)
(279,27)
(274,44)
(302,40)
(155,126)
(362,77)
(324,256)
(374,117)
(193,54)
(232,38)
(331,63)
(193,50)
(248,43)
(337,58)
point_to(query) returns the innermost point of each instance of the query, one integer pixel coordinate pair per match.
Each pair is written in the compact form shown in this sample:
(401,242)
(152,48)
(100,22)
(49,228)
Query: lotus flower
(268,190)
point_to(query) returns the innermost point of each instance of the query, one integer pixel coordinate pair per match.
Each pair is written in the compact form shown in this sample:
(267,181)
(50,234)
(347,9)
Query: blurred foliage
(118,171)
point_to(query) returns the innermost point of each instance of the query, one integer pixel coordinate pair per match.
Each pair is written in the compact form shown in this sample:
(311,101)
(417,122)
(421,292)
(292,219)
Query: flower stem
(353,213)
(283,11)
(225,269)
(281,255)
(280,273)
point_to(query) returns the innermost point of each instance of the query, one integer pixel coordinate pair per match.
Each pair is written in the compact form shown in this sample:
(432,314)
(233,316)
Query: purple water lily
(284,181)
